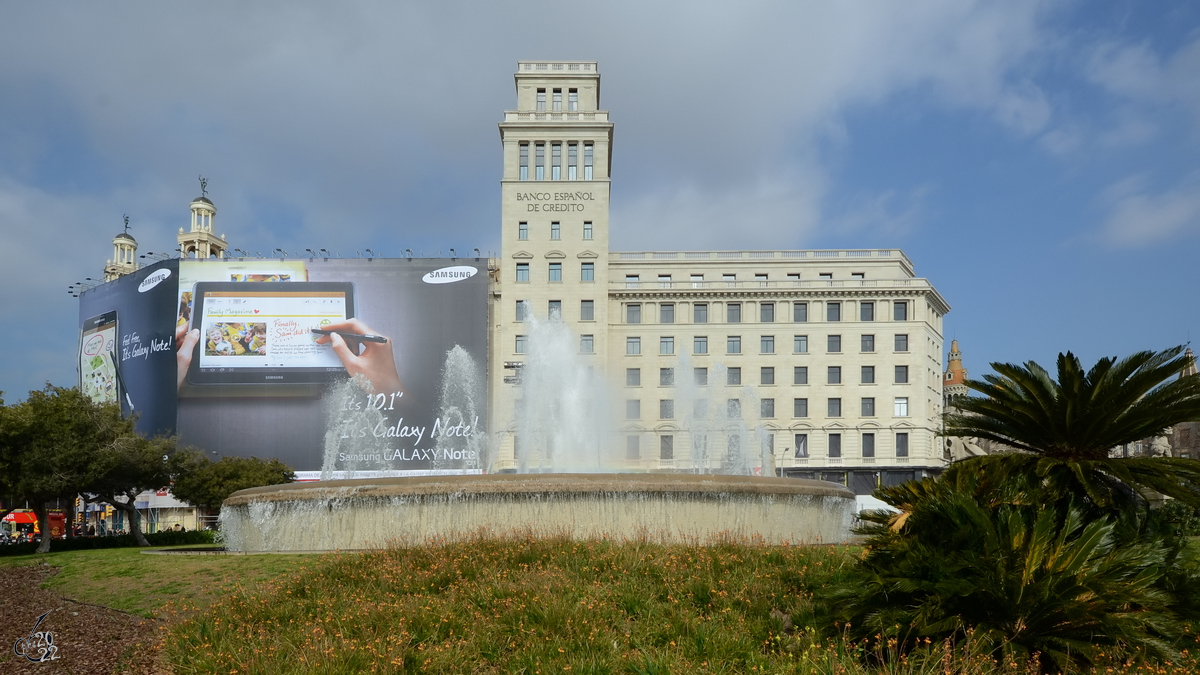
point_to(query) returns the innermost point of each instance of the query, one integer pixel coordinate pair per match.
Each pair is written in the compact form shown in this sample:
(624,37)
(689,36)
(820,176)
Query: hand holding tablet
(375,361)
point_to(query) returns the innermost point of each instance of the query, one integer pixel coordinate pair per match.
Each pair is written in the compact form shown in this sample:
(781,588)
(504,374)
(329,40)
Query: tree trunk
(42,510)
(69,522)
(135,518)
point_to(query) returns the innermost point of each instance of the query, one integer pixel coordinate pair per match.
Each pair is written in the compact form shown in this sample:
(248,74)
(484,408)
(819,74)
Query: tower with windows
(554,219)
(200,241)
(124,260)
(954,379)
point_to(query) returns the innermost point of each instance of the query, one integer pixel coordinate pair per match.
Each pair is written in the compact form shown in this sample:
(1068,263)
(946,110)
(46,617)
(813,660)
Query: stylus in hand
(352,336)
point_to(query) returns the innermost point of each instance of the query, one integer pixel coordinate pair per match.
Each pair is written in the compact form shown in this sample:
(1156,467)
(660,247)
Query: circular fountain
(565,483)
(665,508)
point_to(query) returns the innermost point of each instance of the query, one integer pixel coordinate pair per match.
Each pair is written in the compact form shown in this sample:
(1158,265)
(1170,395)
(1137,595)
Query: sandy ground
(90,639)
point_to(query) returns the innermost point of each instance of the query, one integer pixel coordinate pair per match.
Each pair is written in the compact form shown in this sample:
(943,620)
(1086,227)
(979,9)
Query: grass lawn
(523,606)
(153,585)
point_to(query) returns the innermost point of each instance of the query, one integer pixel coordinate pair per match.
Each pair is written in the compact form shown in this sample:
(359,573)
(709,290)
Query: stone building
(831,358)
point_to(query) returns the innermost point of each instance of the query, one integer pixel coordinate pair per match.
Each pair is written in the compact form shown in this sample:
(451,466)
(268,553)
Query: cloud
(1145,79)
(1139,218)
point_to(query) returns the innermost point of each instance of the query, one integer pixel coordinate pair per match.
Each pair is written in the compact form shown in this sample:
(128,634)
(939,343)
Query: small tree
(50,443)
(127,467)
(206,484)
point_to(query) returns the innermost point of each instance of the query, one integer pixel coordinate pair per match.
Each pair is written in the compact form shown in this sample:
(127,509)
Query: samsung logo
(273,377)
(154,280)
(449,275)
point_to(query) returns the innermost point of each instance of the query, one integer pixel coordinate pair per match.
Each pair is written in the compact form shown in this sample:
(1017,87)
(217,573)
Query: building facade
(828,361)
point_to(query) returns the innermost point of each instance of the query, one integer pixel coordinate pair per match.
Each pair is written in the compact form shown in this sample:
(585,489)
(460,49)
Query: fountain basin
(667,508)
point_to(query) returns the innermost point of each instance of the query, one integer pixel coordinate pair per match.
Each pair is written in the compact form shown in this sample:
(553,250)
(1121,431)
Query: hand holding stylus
(375,361)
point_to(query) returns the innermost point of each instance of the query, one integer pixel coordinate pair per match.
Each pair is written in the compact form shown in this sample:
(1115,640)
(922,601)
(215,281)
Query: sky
(1039,162)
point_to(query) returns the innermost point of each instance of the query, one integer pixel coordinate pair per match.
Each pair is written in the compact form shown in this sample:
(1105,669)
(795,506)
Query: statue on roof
(203,186)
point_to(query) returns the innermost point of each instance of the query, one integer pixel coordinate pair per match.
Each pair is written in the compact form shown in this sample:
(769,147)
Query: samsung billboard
(367,366)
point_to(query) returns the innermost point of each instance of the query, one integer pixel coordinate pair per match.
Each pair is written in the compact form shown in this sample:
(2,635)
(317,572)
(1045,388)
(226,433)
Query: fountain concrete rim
(539,484)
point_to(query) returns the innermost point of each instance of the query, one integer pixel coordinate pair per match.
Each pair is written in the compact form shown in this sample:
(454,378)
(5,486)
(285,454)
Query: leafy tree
(49,444)
(1065,429)
(127,467)
(206,484)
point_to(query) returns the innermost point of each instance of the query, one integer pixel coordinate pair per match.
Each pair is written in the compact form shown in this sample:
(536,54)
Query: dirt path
(90,639)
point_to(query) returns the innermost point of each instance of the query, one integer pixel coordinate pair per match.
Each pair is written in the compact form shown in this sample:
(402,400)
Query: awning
(21,517)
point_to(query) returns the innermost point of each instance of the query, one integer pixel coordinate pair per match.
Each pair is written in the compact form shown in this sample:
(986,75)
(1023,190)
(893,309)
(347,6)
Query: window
(902,444)
(633,409)
(572,161)
(522,272)
(800,312)
(523,231)
(900,311)
(522,344)
(902,406)
(633,377)
(825,275)
(799,407)
(901,374)
(557,100)
(632,281)
(901,343)
(858,275)
(524,162)
(700,376)
(733,312)
(666,312)
(572,100)
(801,446)
(868,375)
(766,408)
(833,375)
(733,409)
(633,313)
(733,344)
(587,271)
(539,169)
(587,344)
(522,310)
(766,312)
(733,376)
(800,344)
(632,447)
(541,99)
(556,161)
(554,310)
(666,377)
(868,343)
(697,280)
(800,375)
(587,310)
(555,230)
(666,346)
(868,407)
(700,345)
(868,445)
(666,447)
(556,272)
(794,277)
(866,311)
(700,312)
(587,161)
(633,345)
(835,445)
(766,375)
(587,230)
(730,280)
(833,344)
(835,407)
(766,344)
(833,311)
(666,409)
(664,281)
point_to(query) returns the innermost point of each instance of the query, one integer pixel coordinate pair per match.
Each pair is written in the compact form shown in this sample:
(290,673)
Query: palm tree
(1064,430)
